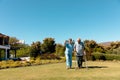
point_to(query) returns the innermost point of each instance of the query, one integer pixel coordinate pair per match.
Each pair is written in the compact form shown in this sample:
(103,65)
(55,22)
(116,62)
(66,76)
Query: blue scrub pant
(68,59)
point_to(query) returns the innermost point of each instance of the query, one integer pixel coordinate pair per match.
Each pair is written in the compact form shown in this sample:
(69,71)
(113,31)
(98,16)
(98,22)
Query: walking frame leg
(85,62)
(75,63)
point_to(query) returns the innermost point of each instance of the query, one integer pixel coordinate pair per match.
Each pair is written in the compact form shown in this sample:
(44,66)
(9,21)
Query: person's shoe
(70,67)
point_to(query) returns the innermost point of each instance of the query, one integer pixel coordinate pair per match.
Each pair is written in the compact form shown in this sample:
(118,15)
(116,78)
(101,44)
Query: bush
(102,56)
(9,64)
(112,57)
(93,58)
(33,61)
(49,56)
(98,56)
(4,64)
(15,64)
(37,61)
(25,63)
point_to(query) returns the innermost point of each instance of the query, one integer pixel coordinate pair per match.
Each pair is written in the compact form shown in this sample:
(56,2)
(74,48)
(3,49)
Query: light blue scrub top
(69,48)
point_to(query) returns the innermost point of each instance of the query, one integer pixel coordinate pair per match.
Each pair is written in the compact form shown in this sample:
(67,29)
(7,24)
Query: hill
(105,43)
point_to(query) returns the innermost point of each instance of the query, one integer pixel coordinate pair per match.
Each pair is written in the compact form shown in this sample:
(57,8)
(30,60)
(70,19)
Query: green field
(98,70)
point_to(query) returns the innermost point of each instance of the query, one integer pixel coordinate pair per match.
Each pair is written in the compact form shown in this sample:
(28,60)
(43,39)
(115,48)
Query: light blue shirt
(69,48)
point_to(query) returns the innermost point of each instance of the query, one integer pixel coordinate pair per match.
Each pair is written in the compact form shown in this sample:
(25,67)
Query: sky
(35,20)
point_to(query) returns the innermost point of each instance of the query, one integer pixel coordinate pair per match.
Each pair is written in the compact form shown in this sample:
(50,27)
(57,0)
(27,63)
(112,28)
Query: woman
(68,53)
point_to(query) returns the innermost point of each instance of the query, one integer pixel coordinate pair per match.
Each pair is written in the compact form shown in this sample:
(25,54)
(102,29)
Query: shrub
(98,56)
(34,61)
(37,61)
(102,56)
(26,63)
(16,64)
(93,58)
(4,65)
(49,56)
(112,57)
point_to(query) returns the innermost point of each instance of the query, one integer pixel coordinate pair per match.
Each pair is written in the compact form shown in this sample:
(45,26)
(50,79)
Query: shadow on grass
(96,67)
(90,67)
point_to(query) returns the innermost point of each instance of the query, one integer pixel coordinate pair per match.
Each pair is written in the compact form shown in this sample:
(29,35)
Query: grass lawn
(97,70)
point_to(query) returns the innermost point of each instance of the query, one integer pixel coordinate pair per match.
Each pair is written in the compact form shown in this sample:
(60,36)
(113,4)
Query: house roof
(3,35)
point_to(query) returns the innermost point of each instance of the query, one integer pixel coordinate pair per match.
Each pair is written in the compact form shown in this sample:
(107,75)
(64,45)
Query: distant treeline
(49,46)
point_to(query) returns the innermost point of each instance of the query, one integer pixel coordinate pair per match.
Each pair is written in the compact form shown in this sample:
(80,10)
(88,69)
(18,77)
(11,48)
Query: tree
(100,49)
(24,51)
(17,47)
(115,45)
(35,49)
(13,41)
(48,45)
(60,49)
(114,48)
(90,45)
